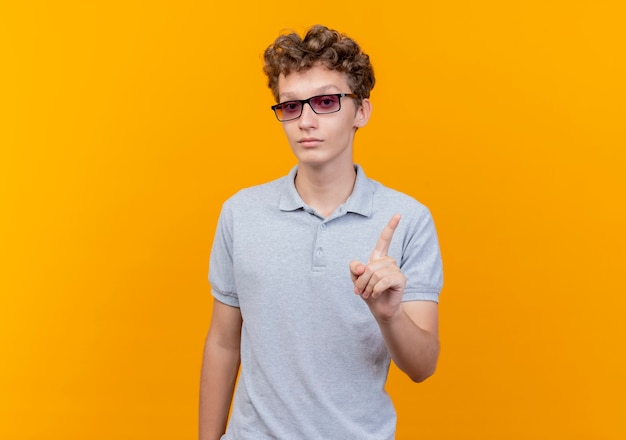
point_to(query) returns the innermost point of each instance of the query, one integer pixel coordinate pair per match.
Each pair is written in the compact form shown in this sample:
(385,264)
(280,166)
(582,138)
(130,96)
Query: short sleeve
(221,273)
(421,260)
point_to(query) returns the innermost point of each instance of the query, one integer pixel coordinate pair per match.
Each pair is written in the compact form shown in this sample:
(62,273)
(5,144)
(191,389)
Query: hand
(380,282)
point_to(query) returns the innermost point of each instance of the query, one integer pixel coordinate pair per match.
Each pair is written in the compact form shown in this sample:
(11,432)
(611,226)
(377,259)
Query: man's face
(322,139)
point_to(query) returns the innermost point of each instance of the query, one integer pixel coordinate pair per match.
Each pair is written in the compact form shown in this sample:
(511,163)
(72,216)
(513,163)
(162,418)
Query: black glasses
(321,104)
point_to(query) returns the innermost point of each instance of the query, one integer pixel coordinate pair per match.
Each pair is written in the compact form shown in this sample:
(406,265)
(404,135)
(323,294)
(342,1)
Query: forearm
(219,374)
(414,350)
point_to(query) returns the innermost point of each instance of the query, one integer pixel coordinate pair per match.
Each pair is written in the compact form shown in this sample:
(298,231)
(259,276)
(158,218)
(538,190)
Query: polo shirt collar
(359,202)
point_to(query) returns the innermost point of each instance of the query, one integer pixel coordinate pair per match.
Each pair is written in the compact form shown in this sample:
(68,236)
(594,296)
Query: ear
(363,113)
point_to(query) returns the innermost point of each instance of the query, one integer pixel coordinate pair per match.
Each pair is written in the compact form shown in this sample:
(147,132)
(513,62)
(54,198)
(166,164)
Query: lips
(309,142)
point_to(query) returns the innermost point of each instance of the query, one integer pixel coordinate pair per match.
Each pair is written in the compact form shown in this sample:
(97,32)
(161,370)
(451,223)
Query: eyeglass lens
(319,104)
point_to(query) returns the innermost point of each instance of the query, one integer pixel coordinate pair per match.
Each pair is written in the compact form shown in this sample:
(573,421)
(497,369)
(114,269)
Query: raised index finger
(382,246)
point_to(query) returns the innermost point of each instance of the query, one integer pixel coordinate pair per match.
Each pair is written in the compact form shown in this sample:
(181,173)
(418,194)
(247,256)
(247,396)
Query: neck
(325,189)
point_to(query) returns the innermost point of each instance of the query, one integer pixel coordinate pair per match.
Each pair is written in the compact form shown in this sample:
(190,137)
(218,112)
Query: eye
(327,101)
(290,107)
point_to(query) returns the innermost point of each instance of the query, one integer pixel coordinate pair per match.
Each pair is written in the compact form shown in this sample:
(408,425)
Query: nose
(308,118)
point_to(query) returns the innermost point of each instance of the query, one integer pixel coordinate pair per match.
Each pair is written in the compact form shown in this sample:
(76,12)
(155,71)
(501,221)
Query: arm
(409,329)
(411,337)
(219,370)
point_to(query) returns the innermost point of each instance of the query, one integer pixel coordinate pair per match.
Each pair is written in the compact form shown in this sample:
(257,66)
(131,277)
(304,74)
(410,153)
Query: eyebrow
(318,91)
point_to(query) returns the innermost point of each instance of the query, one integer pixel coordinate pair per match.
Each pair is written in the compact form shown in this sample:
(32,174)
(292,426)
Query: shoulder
(256,196)
(388,199)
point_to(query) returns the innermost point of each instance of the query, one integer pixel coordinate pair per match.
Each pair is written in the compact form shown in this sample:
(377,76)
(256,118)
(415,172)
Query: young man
(320,278)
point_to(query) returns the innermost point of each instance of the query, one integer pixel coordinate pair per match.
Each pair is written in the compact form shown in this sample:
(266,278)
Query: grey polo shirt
(313,361)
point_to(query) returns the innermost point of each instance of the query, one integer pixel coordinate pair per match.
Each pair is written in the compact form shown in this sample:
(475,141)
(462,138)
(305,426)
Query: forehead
(314,81)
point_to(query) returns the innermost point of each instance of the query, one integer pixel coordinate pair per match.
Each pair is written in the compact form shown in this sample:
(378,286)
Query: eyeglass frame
(308,101)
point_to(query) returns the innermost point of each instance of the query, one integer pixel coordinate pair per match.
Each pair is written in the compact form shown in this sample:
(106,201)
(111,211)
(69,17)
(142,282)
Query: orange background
(125,125)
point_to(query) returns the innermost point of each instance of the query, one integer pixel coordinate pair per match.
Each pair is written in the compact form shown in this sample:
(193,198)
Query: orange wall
(125,125)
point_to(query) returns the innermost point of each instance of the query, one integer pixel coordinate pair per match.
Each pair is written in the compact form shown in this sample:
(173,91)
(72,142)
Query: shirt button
(320,252)
(323,226)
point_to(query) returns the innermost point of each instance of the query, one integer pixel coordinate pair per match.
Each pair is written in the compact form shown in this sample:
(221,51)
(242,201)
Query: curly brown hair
(320,45)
